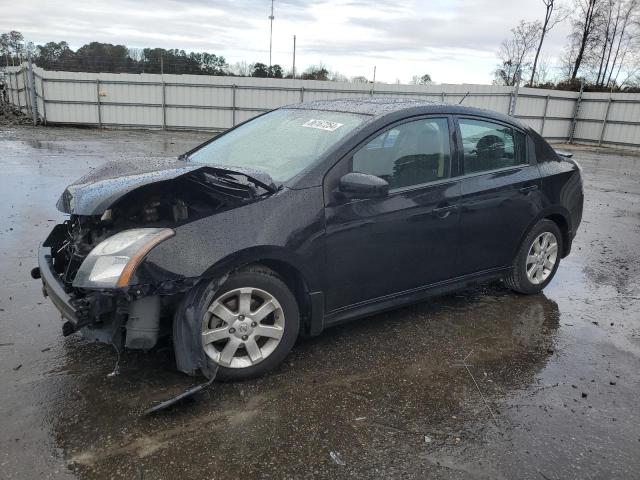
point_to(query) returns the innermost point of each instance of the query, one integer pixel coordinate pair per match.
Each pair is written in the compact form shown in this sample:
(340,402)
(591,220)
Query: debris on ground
(10,116)
(336,458)
(211,376)
(178,398)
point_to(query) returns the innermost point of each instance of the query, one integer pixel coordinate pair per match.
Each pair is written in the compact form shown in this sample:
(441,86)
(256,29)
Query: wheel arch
(560,216)
(300,280)
(563,224)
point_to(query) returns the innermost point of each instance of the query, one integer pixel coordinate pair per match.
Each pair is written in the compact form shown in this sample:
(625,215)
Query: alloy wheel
(242,327)
(542,258)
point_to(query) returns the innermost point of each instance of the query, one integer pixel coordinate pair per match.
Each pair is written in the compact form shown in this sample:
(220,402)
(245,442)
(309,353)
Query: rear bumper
(53,287)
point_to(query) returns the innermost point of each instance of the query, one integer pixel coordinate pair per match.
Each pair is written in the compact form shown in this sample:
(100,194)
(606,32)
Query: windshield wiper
(258,178)
(254,180)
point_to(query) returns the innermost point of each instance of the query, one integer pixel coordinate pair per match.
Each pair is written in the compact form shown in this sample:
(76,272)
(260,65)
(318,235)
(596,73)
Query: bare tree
(515,52)
(607,35)
(337,77)
(241,69)
(585,26)
(628,30)
(543,73)
(611,48)
(568,60)
(554,14)
(605,41)
(632,70)
(631,61)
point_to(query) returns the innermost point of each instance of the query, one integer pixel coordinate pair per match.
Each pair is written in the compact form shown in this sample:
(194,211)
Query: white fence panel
(218,103)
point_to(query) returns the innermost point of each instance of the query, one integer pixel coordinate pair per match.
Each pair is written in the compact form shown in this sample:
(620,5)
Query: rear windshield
(281,143)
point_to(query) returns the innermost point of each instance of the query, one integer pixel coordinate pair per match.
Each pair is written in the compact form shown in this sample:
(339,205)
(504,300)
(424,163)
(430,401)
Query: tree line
(105,57)
(602,52)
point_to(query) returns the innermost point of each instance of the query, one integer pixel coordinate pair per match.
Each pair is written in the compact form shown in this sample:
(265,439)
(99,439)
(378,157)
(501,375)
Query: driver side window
(412,153)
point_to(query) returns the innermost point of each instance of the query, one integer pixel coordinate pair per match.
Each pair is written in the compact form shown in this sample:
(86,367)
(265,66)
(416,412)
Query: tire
(236,326)
(518,278)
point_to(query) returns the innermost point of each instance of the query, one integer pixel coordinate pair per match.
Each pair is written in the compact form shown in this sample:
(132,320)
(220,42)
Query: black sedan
(303,218)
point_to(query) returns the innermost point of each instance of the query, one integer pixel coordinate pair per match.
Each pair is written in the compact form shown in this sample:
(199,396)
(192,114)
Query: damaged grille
(70,243)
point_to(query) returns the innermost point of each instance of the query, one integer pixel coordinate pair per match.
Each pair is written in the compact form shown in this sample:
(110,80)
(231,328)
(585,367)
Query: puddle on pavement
(369,391)
(396,376)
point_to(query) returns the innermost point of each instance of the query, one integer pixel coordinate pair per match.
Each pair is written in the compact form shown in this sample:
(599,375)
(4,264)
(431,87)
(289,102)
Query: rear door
(383,246)
(500,192)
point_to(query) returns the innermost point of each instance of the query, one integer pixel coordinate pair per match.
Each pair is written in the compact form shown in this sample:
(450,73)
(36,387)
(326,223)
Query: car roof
(382,106)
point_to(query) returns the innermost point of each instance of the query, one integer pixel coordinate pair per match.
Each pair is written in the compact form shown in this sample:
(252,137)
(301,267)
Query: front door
(500,193)
(382,246)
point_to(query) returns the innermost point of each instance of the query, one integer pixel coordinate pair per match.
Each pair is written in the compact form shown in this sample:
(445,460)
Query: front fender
(288,227)
(263,253)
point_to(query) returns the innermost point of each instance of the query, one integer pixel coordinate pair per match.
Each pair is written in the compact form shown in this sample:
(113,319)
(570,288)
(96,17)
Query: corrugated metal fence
(198,102)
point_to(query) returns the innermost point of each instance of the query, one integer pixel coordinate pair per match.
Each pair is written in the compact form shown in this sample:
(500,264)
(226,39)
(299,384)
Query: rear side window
(410,154)
(489,146)
(544,151)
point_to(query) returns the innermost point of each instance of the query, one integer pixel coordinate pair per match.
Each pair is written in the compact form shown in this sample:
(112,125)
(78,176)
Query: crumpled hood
(95,192)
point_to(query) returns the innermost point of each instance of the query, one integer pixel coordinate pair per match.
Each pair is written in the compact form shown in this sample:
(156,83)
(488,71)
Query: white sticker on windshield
(323,125)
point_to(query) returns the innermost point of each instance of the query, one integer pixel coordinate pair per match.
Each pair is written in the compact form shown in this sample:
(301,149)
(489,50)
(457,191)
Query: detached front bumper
(53,288)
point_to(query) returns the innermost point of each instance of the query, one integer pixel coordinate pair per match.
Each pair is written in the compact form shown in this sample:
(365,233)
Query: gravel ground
(389,396)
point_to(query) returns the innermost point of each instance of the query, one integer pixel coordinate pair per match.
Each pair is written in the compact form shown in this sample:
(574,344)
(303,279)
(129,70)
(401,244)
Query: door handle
(444,212)
(528,188)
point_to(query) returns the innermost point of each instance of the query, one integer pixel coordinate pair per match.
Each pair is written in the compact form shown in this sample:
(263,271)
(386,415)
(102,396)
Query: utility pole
(161,65)
(374,74)
(32,90)
(271,17)
(294,57)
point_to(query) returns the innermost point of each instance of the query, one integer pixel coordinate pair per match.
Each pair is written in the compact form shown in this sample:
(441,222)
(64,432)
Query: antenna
(271,17)
(465,96)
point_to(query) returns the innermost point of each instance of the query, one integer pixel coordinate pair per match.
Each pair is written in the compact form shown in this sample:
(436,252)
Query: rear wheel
(537,259)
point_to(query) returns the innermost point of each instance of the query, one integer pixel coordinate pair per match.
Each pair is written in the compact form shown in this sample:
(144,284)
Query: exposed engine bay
(166,204)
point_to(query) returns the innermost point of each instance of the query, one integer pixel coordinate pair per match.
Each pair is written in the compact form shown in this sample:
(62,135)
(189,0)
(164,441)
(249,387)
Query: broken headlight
(112,262)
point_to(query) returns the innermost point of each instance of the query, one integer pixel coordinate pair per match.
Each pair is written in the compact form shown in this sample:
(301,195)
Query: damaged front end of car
(92,265)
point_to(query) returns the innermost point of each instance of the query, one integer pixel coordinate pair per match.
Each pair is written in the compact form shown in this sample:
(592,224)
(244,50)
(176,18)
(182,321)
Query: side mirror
(361,185)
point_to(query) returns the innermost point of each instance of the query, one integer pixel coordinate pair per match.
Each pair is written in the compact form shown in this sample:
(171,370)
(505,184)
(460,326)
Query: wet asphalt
(480,384)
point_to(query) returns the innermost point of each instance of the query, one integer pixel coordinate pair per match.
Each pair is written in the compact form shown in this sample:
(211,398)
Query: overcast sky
(455,41)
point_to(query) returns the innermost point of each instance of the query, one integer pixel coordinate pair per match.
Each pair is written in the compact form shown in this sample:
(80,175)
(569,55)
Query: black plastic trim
(53,287)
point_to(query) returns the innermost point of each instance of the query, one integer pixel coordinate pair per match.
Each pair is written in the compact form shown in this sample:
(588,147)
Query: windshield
(281,143)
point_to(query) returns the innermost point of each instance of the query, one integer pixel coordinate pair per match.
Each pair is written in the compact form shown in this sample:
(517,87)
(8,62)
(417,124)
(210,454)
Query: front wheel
(247,326)
(537,259)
